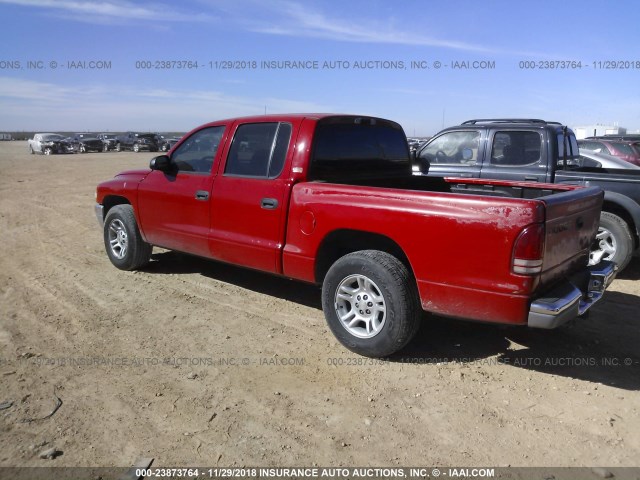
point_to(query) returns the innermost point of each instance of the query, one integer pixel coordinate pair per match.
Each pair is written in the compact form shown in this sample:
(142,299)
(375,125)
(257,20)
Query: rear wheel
(105,147)
(371,303)
(136,148)
(82,148)
(125,247)
(613,241)
(118,147)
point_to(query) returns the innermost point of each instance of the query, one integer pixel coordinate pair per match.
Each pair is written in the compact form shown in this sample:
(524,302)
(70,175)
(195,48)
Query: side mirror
(420,164)
(467,154)
(162,163)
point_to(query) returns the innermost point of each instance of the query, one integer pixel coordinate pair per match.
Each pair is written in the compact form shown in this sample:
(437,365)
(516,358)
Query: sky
(117,65)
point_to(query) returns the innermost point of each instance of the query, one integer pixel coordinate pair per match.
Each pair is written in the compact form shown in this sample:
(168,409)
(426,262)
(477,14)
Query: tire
(613,241)
(105,148)
(118,147)
(384,322)
(124,244)
(47,151)
(136,147)
(82,148)
(31,150)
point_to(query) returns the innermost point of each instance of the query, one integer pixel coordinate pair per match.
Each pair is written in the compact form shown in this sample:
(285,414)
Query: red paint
(461,247)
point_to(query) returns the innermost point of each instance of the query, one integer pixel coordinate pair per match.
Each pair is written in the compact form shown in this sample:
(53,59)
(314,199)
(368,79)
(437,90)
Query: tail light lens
(528,250)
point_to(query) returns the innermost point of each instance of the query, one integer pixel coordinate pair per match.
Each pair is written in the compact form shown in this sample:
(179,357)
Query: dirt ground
(192,362)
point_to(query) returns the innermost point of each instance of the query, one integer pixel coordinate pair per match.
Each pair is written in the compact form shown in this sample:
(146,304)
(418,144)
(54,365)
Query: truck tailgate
(571,222)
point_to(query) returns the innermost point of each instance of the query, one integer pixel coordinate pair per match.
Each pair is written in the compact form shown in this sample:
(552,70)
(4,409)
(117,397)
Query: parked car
(618,148)
(634,137)
(533,150)
(137,142)
(168,143)
(108,141)
(49,143)
(330,199)
(602,160)
(415,143)
(86,142)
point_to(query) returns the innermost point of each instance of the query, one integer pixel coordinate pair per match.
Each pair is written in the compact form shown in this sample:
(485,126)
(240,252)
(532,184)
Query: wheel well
(341,242)
(623,214)
(111,201)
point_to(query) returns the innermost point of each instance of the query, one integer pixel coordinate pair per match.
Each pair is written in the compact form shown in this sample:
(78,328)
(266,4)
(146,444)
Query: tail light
(528,250)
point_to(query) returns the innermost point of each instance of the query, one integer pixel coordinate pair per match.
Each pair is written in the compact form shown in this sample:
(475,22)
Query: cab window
(516,148)
(196,153)
(259,150)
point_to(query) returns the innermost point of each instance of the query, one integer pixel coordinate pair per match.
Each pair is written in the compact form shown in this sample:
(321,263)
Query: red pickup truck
(331,200)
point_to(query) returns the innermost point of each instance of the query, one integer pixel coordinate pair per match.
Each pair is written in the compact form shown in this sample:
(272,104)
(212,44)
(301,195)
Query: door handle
(465,175)
(269,203)
(202,195)
(530,179)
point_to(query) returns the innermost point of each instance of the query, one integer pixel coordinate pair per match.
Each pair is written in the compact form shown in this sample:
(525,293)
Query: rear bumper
(568,301)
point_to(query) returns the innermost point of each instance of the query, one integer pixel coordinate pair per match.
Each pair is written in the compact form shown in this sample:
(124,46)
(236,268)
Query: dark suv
(533,150)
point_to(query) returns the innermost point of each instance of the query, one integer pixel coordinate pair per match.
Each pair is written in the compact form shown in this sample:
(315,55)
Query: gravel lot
(192,362)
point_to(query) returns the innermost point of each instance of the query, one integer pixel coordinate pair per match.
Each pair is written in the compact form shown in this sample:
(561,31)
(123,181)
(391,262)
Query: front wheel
(136,148)
(82,148)
(118,147)
(47,151)
(613,241)
(125,247)
(371,303)
(31,150)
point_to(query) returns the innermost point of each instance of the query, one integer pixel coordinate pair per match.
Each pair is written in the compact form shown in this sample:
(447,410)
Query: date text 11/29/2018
(579,65)
(314,472)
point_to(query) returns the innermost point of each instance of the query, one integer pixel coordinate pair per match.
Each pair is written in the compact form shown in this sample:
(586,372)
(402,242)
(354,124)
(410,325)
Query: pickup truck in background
(533,150)
(136,142)
(331,200)
(108,141)
(86,142)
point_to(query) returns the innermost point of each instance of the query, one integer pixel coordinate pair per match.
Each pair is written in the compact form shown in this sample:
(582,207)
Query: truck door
(452,154)
(516,155)
(174,208)
(250,198)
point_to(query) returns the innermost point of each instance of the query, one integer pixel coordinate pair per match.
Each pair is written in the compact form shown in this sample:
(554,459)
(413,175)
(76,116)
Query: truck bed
(494,188)
(451,232)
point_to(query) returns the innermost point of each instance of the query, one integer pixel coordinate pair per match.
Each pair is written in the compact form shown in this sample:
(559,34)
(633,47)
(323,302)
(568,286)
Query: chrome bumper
(99,209)
(567,301)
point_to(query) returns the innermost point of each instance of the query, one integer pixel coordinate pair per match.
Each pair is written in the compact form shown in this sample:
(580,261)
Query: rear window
(624,148)
(359,147)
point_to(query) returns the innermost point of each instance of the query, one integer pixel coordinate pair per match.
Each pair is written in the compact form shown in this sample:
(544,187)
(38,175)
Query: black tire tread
(141,250)
(406,295)
(625,244)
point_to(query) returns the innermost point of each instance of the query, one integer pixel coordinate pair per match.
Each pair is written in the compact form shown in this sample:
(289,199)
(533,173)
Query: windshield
(53,136)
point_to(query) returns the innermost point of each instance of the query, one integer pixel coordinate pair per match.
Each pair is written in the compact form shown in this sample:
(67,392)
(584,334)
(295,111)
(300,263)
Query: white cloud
(301,20)
(29,105)
(109,11)
(304,19)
